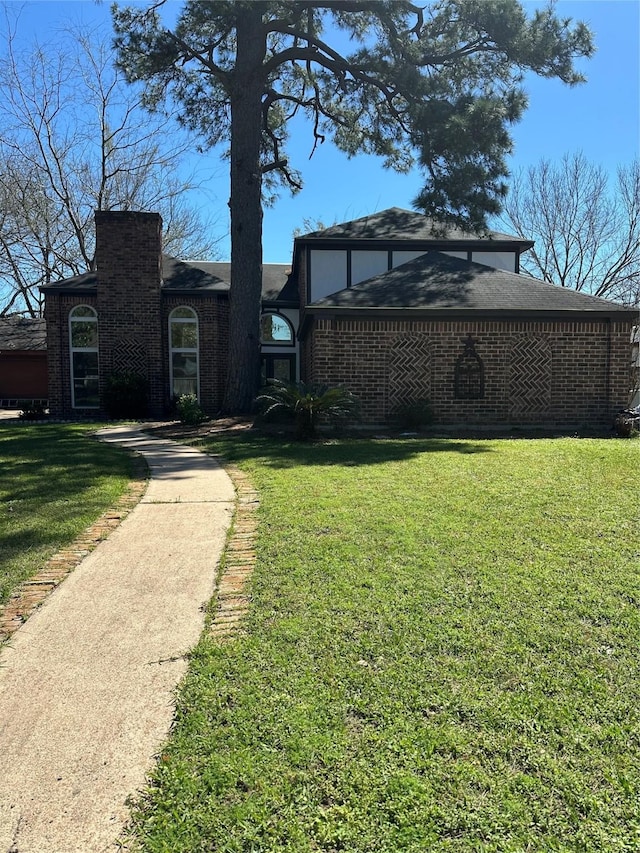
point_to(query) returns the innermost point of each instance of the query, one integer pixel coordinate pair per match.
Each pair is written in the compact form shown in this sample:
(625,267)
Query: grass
(55,480)
(441,655)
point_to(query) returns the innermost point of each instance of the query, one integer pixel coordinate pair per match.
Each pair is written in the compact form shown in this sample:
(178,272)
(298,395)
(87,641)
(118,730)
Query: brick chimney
(129,270)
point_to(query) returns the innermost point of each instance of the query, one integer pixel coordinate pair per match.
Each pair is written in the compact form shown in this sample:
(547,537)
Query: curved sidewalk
(87,683)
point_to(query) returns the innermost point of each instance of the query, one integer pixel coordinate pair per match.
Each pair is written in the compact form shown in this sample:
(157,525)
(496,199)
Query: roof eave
(619,313)
(428,245)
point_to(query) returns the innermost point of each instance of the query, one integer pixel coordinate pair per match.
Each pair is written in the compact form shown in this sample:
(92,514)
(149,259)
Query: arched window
(183,352)
(83,346)
(276,330)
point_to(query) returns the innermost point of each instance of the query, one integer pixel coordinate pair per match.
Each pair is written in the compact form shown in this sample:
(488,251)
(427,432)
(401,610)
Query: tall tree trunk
(246,211)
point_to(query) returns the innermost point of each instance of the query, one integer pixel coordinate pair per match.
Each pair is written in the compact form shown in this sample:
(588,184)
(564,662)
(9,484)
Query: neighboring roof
(23,333)
(406,225)
(195,277)
(438,282)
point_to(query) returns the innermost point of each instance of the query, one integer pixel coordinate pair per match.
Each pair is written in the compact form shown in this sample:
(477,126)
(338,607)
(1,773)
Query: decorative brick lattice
(529,376)
(408,370)
(129,357)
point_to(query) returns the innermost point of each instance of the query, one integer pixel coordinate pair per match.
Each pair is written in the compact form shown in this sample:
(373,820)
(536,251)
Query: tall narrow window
(183,352)
(83,340)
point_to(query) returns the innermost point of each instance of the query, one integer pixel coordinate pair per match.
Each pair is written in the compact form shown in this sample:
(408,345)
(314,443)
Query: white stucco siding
(327,272)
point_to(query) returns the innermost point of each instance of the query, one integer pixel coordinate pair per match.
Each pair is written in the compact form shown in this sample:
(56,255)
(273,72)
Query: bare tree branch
(587,233)
(74,139)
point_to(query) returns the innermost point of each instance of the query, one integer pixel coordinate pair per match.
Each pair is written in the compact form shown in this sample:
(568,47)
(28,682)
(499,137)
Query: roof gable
(407,225)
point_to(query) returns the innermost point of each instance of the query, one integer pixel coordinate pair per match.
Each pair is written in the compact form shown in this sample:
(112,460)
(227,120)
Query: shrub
(627,423)
(413,414)
(34,411)
(189,411)
(308,404)
(125,395)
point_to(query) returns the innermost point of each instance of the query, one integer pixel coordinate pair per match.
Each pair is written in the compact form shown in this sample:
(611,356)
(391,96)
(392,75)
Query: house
(388,305)
(23,362)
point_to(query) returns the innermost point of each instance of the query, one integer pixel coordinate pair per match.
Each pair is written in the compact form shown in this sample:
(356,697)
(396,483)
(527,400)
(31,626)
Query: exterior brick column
(129,268)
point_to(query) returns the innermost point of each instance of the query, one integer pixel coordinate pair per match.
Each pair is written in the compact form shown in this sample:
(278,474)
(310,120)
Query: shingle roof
(439,282)
(398,224)
(195,277)
(23,333)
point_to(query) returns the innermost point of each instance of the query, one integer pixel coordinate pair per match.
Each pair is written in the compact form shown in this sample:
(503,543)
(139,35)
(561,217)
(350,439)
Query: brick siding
(128,259)
(57,310)
(580,371)
(213,331)
(133,318)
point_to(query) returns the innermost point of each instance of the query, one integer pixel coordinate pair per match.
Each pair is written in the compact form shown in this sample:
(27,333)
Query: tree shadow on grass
(240,445)
(54,462)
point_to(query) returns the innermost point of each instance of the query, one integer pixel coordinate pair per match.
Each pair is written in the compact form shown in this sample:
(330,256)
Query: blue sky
(600,118)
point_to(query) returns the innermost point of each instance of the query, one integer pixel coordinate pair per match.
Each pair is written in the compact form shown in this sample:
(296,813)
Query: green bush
(627,424)
(33,411)
(188,410)
(308,404)
(126,395)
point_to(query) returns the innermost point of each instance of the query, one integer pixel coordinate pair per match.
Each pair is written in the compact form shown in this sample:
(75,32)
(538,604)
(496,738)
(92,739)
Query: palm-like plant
(307,403)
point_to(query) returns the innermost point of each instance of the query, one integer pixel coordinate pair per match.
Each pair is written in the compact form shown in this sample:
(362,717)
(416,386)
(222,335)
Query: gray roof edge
(618,312)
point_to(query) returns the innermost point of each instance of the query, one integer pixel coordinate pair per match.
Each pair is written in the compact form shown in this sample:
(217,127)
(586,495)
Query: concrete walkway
(87,683)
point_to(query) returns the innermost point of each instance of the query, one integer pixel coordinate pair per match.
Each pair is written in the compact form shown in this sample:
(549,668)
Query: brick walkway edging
(238,559)
(31,593)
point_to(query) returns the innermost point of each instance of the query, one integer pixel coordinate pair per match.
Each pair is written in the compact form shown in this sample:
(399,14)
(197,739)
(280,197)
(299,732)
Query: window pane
(185,374)
(83,311)
(184,313)
(85,379)
(84,333)
(184,364)
(275,329)
(85,364)
(184,336)
(85,393)
(282,369)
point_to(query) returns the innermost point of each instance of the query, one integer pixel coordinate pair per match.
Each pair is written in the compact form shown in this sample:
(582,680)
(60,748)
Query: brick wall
(551,373)
(57,310)
(213,331)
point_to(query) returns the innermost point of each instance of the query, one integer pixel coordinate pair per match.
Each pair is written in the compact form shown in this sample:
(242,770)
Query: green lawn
(54,481)
(441,655)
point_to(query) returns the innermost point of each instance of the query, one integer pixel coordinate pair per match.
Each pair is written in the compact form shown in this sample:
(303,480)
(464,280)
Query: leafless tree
(586,232)
(74,139)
